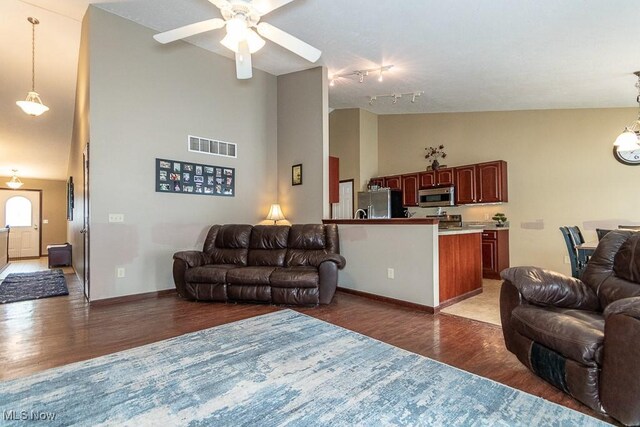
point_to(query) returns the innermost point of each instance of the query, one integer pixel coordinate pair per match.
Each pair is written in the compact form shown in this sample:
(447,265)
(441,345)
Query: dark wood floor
(37,335)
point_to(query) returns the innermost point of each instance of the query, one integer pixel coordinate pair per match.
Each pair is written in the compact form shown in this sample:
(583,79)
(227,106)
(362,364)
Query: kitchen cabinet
(377,181)
(481,183)
(410,190)
(438,178)
(465,179)
(495,253)
(393,182)
(492,182)
(334,179)
(459,266)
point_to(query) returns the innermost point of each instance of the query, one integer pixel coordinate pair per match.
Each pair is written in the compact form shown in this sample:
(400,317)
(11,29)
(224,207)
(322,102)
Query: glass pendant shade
(15,182)
(237,31)
(33,106)
(627,141)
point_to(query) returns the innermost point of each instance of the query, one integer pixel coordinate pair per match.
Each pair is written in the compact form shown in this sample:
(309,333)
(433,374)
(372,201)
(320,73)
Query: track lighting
(361,74)
(396,96)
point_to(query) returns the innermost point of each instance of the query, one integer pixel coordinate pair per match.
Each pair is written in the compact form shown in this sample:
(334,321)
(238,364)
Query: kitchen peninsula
(408,260)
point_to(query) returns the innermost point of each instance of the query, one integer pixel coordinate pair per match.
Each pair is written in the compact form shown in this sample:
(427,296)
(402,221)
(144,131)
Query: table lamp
(275,213)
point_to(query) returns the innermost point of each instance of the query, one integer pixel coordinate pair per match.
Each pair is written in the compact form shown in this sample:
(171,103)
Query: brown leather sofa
(582,335)
(263,263)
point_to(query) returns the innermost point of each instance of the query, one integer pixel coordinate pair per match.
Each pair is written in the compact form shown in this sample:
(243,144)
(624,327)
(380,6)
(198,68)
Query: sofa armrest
(192,258)
(335,258)
(548,288)
(627,306)
(619,385)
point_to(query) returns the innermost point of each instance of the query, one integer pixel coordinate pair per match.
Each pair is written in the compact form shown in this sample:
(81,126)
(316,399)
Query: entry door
(344,208)
(21,212)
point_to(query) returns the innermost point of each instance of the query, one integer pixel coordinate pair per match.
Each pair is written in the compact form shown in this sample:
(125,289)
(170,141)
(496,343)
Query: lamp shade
(33,106)
(15,182)
(275,213)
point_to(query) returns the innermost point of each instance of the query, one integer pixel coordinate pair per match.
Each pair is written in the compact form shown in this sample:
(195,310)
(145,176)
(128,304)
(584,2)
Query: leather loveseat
(582,335)
(295,264)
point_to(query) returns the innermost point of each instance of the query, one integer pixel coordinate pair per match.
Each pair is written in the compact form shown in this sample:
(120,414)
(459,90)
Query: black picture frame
(70,199)
(296,174)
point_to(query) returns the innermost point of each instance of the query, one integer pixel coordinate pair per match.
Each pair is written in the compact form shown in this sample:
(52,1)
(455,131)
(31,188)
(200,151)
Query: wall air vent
(212,146)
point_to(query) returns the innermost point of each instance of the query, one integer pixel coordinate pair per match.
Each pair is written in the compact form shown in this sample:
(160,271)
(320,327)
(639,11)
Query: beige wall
(344,141)
(561,170)
(145,99)
(303,137)
(53,209)
(79,139)
(368,148)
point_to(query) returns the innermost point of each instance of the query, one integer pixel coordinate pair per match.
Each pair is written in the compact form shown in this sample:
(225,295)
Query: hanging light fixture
(629,139)
(15,182)
(33,106)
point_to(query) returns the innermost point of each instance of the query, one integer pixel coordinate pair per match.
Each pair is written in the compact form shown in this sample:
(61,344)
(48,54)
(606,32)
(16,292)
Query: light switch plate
(390,273)
(120,272)
(45,221)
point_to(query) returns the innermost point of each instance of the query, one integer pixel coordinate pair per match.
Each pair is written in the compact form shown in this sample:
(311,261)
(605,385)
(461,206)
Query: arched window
(18,212)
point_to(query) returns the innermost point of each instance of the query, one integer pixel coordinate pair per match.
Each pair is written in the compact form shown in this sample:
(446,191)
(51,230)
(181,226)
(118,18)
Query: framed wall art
(296,174)
(173,176)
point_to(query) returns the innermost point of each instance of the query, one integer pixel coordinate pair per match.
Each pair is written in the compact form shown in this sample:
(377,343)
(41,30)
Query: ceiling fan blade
(220,4)
(265,6)
(243,62)
(189,30)
(287,41)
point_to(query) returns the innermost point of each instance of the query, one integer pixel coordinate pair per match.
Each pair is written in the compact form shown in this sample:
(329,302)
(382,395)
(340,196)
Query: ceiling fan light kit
(33,105)
(629,139)
(240,17)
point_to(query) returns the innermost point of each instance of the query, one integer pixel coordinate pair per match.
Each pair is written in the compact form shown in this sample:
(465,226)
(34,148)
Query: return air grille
(212,146)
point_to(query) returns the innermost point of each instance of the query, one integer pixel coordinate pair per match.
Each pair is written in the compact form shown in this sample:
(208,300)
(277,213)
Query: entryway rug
(282,368)
(36,285)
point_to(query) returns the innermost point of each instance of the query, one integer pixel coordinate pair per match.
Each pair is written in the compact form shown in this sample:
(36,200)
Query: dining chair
(601,232)
(572,238)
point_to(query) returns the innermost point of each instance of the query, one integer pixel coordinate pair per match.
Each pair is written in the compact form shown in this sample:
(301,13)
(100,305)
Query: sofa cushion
(295,277)
(626,263)
(295,296)
(268,245)
(212,273)
(259,293)
(307,236)
(575,334)
(228,244)
(250,275)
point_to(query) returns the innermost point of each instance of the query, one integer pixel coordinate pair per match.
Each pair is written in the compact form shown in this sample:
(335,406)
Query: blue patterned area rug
(282,368)
(26,286)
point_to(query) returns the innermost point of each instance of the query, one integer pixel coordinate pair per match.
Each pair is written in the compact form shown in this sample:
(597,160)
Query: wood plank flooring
(42,334)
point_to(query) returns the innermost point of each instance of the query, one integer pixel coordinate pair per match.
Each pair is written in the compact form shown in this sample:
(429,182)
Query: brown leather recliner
(263,263)
(582,336)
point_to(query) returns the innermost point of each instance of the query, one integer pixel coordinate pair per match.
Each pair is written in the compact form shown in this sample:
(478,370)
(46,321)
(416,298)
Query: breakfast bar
(410,261)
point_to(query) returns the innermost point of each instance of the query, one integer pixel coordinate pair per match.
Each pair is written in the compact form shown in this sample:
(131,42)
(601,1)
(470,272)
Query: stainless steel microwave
(434,197)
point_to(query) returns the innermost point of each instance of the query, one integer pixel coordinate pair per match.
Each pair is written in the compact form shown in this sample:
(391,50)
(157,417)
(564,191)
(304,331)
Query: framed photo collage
(174,176)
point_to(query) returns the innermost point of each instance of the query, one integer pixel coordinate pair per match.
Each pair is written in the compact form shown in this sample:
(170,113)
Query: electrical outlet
(120,272)
(390,273)
(45,221)
(486,217)
(567,260)
(116,217)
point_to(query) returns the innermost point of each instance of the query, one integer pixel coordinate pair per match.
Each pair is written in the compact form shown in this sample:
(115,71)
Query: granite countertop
(463,230)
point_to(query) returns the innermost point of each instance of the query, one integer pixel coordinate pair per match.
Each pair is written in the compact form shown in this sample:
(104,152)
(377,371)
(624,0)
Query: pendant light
(15,182)
(33,106)
(629,139)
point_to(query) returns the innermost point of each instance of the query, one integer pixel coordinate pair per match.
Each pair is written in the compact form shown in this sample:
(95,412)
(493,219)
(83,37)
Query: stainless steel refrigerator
(381,203)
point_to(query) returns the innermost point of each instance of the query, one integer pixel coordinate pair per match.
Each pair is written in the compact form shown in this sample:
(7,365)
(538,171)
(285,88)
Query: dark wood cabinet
(492,182)
(377,181)
(481,183)
(441,177)
(334,180)
(495,253)
(410,190)
(393,182)
(459,266)
(465,181)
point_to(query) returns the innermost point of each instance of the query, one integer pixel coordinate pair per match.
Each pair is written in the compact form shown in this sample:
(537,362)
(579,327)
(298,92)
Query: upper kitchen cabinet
(377,181)
(481,183)
(410,190)
(393,182)
(492,182)
(465,178)
(438,178)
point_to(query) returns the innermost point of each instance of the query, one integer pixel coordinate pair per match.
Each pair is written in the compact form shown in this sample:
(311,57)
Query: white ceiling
(467,55)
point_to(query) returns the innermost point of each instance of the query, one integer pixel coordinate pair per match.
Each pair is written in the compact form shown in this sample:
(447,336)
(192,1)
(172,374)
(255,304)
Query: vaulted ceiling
(466,55)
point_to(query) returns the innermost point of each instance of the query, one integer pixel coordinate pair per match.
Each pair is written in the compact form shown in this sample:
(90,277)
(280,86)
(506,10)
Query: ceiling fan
(240,17)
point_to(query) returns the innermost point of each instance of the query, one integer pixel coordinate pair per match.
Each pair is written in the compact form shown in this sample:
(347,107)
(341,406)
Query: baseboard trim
(459,298)
(399,302)
(130,298)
